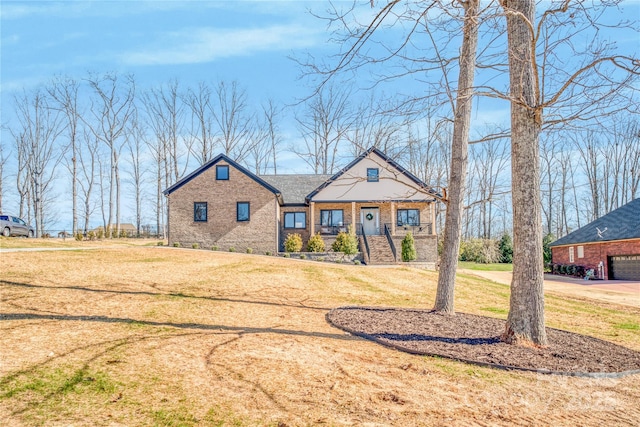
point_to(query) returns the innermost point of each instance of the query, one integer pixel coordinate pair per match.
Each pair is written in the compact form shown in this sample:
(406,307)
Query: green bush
(268,253)
(303,256)
(287,255)
(546,250)
(293,243)
(100,234)
(315,244)
(483,251)
(505,247)
(214,248)
(160,244)
(123,234)
(79,237)
(232,249)
(347,243)
(408,248)
(356,262)
(440,243)
(91,235)
(176,244)
(195,246)
(249,250)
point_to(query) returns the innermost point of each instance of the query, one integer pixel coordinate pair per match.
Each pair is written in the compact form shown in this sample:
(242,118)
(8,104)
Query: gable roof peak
(212,162)
(388,160)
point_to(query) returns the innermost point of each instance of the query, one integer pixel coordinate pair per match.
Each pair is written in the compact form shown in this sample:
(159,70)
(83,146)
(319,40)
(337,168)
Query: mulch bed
(476,339)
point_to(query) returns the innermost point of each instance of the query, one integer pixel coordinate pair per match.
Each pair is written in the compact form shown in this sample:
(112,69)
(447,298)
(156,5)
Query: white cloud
(208,44)
(17,10)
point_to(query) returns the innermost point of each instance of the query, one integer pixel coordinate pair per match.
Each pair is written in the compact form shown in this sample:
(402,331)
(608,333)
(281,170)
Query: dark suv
(14,226)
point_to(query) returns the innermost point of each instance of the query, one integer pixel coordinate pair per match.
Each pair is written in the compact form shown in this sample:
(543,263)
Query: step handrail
(366,243)
(391,244)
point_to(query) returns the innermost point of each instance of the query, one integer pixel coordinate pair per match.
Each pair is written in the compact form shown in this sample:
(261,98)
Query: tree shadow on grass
(196,326)
(169,294)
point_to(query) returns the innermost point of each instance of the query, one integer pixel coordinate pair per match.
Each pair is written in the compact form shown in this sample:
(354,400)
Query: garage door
(625,267)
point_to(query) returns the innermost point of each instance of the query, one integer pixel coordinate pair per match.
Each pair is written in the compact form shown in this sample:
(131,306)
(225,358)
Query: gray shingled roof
(294,188)
(620,224)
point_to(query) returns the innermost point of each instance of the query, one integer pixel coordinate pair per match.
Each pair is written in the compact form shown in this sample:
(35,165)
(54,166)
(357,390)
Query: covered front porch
(372,218)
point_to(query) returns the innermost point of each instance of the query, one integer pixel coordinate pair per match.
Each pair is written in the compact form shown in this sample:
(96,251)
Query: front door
(370,219)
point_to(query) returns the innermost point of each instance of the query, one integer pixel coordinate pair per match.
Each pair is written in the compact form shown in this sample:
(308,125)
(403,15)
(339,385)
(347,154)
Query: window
(242,211)
(570,253)
(408,217)
(295,220)
(331,218)
(222,173)
(200,211)
(373,174)
(580,251)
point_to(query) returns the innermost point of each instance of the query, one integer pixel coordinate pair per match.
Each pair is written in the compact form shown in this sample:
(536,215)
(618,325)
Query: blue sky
(158,40)
(191,40)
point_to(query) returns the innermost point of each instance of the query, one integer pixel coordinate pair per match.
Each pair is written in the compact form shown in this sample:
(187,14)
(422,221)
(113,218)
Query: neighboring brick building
(225,205)
(610,245)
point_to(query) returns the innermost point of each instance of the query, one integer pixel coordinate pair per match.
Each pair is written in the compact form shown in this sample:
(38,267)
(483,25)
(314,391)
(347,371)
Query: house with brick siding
(610,245)
(222,204)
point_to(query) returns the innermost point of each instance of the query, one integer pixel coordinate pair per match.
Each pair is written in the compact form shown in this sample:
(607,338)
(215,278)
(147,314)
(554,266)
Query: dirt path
(614,291)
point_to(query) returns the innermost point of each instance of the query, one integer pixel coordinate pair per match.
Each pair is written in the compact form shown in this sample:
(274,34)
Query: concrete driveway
(614,291)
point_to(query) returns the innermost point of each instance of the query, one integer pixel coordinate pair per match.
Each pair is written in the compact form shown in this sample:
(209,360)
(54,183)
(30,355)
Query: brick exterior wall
(303,232)
(221,228)
(426,248)
(595,252)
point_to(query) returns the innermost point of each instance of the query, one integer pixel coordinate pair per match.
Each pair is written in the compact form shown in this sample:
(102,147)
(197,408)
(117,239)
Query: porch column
(353,217)
(393,215)
(433,218)
(312,222)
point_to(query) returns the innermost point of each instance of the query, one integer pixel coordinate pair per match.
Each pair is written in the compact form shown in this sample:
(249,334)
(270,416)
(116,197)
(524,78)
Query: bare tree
(3,160)
(525,322)
(551,171)
(64,92)
(112,111)
(429,157)
(235,127)
(459,159)
(137,172)
(37,144)
(609,159)
(547,90)
(159,154)
(377,123)
(165,115)
(200,103)
(88,156)
(168,142)
(324,124)
(22,181)
(271,117)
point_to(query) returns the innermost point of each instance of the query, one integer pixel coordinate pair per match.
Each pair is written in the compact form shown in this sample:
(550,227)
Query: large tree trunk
(74,186)
(459,160)
(525,322)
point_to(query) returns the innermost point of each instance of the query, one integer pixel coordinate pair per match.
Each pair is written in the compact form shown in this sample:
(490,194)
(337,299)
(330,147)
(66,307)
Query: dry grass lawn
(179,337)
